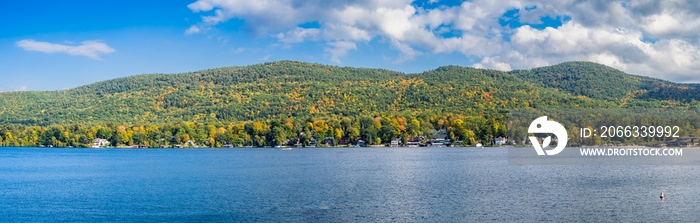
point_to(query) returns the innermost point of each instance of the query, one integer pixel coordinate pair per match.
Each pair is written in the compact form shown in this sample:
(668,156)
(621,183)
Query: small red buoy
(662,195)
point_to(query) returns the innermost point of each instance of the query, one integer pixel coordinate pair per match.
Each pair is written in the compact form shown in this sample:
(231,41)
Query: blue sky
(53,45)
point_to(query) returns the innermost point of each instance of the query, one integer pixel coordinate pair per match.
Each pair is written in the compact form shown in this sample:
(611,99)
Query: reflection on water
(332,185)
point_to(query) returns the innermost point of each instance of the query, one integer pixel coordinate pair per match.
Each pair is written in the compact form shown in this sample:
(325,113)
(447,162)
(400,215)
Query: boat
(479,145)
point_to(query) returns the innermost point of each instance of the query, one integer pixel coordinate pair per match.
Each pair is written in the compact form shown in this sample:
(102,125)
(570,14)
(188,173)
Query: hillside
(289,88)
(293,103)
(605,83)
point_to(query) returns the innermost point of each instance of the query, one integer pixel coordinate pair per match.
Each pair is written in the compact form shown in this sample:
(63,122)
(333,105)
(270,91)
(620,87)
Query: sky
(54,45)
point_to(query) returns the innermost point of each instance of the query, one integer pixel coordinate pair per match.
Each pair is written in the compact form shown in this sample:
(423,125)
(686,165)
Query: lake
(332,185)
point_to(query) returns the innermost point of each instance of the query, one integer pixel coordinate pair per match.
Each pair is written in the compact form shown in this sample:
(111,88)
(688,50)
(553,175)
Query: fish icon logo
(542,125)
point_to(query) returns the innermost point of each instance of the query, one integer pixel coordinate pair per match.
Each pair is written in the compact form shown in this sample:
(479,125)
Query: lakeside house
(99,142)
(312,142)
(685,141)
(500,141)
(191,144)
(414,142)
(440,143)
(329,141)
(344,141)
(395,142)
(440,138)
(439,134)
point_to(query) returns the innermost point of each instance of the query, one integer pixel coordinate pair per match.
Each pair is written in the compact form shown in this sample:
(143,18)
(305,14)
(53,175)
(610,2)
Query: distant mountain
(602,82)
(290,88)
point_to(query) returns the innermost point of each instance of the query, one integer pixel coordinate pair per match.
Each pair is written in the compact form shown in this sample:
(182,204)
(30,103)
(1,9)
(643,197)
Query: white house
(98,142)
(191,144)
(500,141)
(395,142)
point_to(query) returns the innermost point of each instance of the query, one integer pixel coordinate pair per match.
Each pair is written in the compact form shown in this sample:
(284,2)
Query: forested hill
(289,88)
(602,82)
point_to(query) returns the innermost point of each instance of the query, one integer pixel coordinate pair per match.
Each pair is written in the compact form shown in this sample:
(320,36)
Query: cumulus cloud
(265,58)
(192,29)
(340,49)
(673,59)
(90,48)
(667,19)
(17,88)
(651,37)
(489,62)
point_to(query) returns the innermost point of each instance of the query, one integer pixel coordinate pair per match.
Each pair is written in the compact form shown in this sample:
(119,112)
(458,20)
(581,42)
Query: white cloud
(265,58)
(669,59)
(17,88)
(239,50)
(192,29)
(90,48)
(651,37)
(21,88)
(490,63)
(667,19)
(340,49)
(298,35)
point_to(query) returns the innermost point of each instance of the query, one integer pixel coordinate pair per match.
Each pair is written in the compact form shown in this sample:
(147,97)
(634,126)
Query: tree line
(281,131)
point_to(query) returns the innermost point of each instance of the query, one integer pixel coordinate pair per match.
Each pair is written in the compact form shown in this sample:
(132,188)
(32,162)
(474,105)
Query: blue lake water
(331,185)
